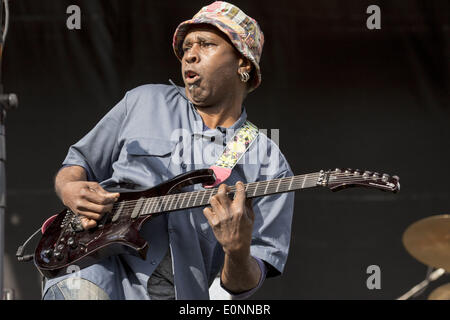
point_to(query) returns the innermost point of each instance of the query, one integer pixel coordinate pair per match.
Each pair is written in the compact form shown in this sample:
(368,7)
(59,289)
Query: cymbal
(440,293)
(428,240)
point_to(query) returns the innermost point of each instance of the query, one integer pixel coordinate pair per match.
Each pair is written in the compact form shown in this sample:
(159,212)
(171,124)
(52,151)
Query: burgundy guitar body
(65,243)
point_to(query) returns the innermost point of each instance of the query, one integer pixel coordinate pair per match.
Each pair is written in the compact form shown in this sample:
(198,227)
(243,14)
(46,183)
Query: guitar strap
(233,152)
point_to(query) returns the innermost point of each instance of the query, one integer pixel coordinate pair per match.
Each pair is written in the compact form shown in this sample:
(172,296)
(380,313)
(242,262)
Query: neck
(223,117)
(223,113)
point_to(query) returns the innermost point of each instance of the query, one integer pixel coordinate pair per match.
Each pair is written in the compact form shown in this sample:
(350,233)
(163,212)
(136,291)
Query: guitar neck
(200,198)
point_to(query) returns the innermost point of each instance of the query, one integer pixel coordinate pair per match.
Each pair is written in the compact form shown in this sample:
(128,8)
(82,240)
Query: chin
(200,100)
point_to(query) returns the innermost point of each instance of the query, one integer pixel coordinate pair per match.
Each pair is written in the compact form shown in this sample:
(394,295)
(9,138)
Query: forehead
(205,31)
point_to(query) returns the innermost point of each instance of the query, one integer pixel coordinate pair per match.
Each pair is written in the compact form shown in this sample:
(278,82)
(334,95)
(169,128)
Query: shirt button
(183,165)
(213,139)
(153,262)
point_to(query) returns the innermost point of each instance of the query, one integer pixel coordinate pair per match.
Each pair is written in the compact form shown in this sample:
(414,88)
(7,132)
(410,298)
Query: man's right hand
(89,200)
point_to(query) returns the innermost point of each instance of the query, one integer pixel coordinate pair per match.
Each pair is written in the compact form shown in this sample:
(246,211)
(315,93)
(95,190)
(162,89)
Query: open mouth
(191,76)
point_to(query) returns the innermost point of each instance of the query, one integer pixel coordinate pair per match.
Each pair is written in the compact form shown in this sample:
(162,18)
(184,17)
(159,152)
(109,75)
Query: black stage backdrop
(340,94)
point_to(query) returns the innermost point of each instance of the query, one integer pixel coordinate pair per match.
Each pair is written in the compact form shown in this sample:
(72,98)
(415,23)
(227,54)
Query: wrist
(240,256)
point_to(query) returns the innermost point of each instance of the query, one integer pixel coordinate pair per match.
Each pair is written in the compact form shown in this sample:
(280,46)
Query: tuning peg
(357,172)
(367,174)
(385,177)
(337,170)
(396,177)
(376,175)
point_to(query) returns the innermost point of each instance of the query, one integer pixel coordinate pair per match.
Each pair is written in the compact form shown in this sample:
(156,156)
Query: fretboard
(200,198)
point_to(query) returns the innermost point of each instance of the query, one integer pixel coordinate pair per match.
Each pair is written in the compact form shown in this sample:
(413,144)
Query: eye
(207,44)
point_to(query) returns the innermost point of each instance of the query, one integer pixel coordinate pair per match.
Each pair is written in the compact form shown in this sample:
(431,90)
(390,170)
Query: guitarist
(133,147)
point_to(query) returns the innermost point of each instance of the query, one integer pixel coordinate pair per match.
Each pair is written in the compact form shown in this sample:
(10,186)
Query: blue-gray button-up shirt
(155,133)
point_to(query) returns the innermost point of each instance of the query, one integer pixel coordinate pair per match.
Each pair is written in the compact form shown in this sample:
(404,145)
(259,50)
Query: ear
(245,65)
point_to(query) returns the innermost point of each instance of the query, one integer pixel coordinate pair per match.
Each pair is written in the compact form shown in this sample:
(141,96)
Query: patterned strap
(233,152)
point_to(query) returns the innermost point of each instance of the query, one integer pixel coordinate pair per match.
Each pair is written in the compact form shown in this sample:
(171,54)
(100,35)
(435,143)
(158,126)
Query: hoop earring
(244,76)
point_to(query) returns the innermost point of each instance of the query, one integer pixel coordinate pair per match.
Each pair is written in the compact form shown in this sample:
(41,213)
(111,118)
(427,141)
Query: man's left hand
(232,220)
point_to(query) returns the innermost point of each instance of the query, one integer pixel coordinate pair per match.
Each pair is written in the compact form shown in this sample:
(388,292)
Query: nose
(191,55)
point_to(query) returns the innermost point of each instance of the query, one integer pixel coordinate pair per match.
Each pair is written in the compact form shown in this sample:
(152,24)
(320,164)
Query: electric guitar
(64,241)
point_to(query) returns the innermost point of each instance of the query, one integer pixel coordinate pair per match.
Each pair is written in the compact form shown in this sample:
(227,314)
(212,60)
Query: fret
(184,198)
(203,198)
(211,195)
(196,196)
(152,204)
(283,184)
(267,186)
(278,186)
(170,200)
(144,205)
(304,180)
(190,197)
(161,203)
(256,188)
(290,184)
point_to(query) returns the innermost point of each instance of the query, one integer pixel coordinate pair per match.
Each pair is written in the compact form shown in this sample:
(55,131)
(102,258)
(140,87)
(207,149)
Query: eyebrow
(198,38)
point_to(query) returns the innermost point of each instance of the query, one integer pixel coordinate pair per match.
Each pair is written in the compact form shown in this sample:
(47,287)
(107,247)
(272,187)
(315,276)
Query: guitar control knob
(71,242)
(58,255)
(47,253)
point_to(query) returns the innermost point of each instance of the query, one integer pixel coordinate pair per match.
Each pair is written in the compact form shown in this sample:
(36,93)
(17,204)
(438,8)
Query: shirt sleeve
(100,147)
(272,227)
(249,293)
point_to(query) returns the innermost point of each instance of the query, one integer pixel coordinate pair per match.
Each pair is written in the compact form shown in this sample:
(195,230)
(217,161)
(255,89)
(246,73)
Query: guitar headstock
(346,178)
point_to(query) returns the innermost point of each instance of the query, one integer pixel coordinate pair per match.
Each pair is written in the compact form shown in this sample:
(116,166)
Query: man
(138,145)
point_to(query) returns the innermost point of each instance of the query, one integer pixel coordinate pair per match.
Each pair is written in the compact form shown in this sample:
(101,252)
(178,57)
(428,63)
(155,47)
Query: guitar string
(250,187)
(170,199)
(167,206)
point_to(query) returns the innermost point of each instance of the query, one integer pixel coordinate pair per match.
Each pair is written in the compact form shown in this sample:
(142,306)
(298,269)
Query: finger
(89,214)
(88,223)
(215,205)
(95,193)
(210,216)
(95,208)
(240,196)
(222,195)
